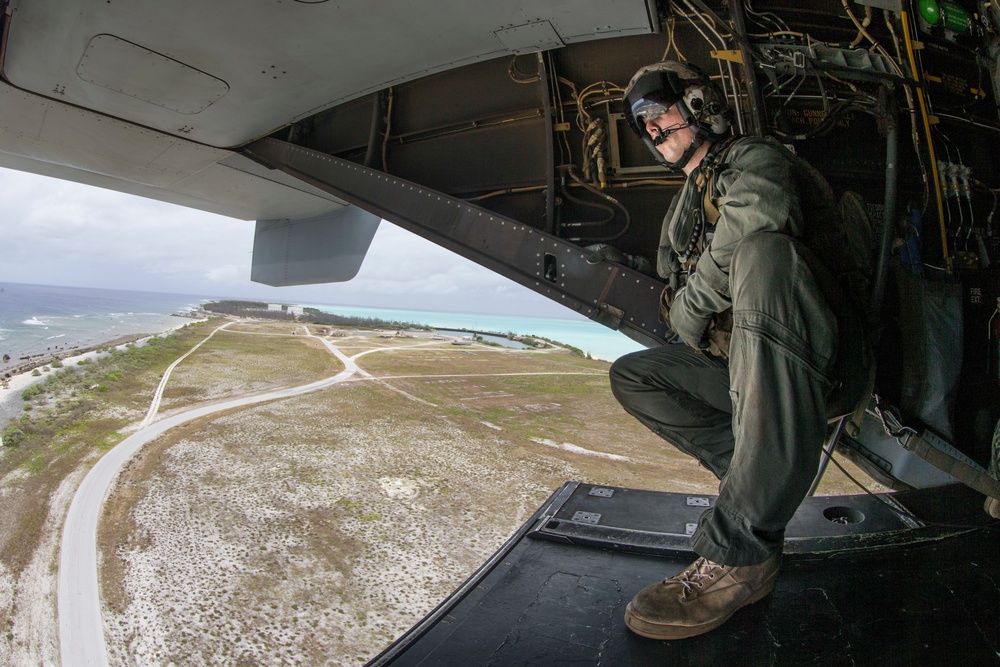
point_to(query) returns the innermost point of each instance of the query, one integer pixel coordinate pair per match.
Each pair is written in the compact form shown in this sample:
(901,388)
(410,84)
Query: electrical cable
(517,76)
(863,31)
(603,195)
(388,128)
(925,117)
(912,110)
(580,202)
(565,155)
(671,25)
(774,19)
(506,191)
(992,191)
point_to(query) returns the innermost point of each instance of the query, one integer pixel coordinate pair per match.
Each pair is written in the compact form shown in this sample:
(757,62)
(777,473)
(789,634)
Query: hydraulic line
(388,129)
(373,132)
(755,101)
(608,198)
(888,216)
(935,177)
(550,138)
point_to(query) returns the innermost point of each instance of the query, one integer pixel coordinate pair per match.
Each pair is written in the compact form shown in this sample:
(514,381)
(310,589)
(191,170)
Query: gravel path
(81,627)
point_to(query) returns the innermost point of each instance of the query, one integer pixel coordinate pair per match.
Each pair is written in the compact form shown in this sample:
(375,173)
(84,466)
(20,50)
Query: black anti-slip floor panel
(932,601)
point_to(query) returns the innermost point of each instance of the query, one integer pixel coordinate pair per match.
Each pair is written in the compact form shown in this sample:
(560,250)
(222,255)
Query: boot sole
(652,630)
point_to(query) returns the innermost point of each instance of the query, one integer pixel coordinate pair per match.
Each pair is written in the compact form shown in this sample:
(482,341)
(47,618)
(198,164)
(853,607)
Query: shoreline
(11,404)
(29,362)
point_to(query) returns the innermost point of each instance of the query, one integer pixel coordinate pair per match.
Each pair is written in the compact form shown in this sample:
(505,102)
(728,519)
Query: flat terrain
(314,530)
(307,530)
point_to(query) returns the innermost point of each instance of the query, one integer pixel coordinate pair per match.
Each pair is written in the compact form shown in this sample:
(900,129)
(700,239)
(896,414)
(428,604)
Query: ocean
(36,319)
(593,338)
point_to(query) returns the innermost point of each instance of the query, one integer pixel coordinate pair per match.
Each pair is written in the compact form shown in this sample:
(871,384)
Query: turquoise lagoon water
(597,340)
(36,319)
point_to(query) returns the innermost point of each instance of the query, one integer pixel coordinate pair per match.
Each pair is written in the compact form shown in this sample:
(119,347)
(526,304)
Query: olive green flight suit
(759,420)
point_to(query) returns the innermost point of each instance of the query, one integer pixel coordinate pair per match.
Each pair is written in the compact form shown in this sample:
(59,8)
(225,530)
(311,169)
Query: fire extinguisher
(993,360)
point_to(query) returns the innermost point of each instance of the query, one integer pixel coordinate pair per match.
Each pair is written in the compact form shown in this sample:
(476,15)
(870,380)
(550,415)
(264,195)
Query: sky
(55,232)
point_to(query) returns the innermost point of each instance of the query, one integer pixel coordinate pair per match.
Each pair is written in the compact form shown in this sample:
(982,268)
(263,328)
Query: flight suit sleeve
(757,194)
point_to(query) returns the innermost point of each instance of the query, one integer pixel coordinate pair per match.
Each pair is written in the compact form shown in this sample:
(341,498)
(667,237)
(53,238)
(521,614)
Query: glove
(720,332)
(689,325)
(602,251)
(666,299)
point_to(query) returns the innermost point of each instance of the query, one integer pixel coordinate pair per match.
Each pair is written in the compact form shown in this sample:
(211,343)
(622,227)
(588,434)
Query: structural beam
(608,293)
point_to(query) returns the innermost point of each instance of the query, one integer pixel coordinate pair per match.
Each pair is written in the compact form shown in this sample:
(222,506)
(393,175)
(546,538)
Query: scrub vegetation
(312,529)
(78,412)
(69,419)
(236,363)
(316,529)
(74,414)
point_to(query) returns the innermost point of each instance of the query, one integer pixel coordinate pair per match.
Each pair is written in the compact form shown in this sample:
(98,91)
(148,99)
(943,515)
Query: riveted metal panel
(607,293)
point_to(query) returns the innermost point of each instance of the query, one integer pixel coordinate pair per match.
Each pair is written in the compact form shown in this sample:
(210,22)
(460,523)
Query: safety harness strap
(971,475)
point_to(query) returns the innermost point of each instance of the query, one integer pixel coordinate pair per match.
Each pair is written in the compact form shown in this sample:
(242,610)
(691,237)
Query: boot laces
(692,576)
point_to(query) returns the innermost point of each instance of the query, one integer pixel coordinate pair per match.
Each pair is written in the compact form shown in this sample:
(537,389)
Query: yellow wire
(930,140)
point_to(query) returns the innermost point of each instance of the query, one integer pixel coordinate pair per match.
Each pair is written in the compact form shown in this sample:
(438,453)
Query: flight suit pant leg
(780,359)
(682,395)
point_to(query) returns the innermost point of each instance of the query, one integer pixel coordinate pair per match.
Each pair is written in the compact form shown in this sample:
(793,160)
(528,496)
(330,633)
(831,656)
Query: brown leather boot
(699,599)
(992,507)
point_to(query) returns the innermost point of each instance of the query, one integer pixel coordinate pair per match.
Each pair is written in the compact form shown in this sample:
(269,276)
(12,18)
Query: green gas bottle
(945,14)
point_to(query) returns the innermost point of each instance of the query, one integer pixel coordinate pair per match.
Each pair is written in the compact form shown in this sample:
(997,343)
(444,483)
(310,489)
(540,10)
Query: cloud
(62,233)
(230,274)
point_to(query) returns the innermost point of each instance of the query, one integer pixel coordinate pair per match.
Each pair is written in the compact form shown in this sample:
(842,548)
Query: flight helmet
(655,88)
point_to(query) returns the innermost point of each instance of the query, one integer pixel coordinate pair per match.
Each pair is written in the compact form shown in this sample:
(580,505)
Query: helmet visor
(651,96)
(646,109)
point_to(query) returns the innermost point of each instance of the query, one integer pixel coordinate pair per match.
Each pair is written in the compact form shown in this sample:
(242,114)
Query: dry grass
(313,536)
(314,530)
(79,415)
(248,362)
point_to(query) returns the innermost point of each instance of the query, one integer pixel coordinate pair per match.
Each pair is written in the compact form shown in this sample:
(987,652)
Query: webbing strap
(705,179)
(711,210)
(973,477)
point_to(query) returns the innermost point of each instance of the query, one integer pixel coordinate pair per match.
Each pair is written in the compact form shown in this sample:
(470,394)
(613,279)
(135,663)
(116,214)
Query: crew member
(752,253)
